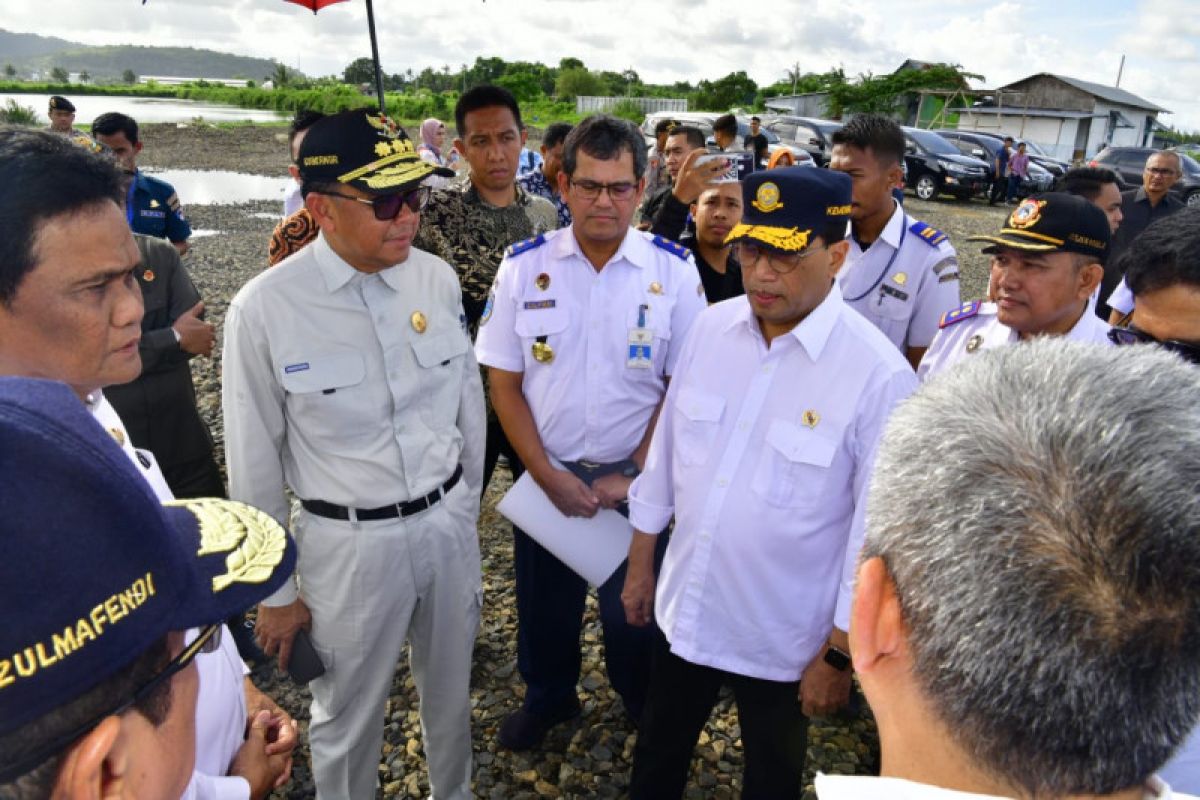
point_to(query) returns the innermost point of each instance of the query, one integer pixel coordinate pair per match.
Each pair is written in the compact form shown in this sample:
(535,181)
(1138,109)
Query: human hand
(570,495)
(282,732)
(637,596)
(195,335)
(823,689)
(261,771)
(277,626)
(694,178)
(611,489)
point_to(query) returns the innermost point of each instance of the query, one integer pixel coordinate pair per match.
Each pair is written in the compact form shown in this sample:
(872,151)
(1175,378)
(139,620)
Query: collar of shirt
(862,787)
(891,231)
(336,272)
(633,249)
(812,332)
(471,196)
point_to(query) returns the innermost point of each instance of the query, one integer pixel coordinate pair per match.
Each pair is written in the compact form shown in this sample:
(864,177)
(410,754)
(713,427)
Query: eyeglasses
(590,190)
(748,254)
(1189,351)
(387,206)
(1160,172)
(207,641)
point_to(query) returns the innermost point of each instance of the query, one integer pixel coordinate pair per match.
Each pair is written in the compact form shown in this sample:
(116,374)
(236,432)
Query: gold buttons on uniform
(810,418)
(542,281)
(900,278)
(543,353)
(117,434)
(656,288)
(974,342)
(418,322)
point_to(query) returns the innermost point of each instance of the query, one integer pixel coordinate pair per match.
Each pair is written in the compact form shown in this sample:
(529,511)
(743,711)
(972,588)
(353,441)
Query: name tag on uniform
(641,341)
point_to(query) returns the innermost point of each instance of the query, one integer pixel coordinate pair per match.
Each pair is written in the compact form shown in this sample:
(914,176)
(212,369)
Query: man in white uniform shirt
(762,453)
(581,334)
(349,378)
(1047,261)
(71,311)
(1028,624)
(900,274)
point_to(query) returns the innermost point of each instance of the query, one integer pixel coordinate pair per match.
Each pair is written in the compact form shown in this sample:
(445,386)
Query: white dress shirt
(221,700)
(902,282)
(588,402)
(292,200)
(862,787)
(1121,298)
(763,456)
(353,388)
(984,330)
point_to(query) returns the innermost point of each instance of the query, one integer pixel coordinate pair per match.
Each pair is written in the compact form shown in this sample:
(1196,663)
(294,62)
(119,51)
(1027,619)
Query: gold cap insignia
(382,149)
(810,418)
(974,342)
(254,541)
(153,203)
(766,199)
(117,434)
(542,281)
(418,322)
(543,353)
(900,278)
(656,288)
(1026,214)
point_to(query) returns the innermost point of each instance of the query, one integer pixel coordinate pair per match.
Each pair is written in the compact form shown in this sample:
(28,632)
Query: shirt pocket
(531,324)
(440,376)
(793,470)
(697,421)
(328,399)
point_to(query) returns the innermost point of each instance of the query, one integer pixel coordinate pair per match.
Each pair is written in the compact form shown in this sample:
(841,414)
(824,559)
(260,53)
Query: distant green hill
(30,53)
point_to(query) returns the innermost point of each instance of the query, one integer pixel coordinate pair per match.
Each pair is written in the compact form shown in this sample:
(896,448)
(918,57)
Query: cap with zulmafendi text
(1053,222)
(95,568)
(364,150)
(785,209)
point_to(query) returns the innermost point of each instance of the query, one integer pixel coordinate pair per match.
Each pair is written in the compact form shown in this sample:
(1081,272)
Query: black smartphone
(304,664)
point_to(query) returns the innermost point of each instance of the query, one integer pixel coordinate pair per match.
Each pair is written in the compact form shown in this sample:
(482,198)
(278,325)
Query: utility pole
(1120,70)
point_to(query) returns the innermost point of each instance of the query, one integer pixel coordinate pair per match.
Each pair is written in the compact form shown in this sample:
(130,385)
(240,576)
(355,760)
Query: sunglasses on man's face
(387,206)
(1190,351)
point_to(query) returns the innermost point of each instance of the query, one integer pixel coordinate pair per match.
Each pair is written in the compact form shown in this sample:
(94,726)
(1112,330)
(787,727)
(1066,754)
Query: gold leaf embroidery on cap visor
(256,540)
(787,239)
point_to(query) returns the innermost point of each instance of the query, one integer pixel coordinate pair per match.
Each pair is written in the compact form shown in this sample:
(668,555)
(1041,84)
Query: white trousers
(371,586)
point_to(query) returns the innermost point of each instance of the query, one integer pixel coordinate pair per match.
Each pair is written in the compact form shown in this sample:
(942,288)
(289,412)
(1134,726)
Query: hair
(555,132)
(833,232)
(1008,138)
(484,97)
(875,132)
(1170,154)
(1165,254)
(694,136)
(1051,589)
(605,137)
(38,783)
(320,187)
(113,123)
(1085,182)
(55,177)
(304,119)
(726,123)
(664,126)
(756,119)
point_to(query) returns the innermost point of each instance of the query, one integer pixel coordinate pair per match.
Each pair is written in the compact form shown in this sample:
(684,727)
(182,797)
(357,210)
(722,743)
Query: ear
(564,182)
(877,629)
(460,145)
(137,147)
(1089,278)
(318,205)
(895,175)
(692,209)
(837,256)
(95,766)
(294,171)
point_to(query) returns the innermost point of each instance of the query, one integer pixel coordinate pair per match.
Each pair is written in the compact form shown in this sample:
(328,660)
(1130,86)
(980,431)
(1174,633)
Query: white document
(593,548)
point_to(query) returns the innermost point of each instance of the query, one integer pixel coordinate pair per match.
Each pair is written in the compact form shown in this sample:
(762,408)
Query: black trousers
(679,702)
(198,478)
(999,190)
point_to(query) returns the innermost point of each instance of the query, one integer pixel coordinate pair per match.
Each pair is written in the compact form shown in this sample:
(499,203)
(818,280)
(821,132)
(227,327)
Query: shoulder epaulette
(928,234)
(965,311)
(674,248)
(525,246)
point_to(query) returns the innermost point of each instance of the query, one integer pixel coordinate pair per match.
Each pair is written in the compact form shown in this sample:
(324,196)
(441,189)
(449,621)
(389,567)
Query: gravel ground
(589,757)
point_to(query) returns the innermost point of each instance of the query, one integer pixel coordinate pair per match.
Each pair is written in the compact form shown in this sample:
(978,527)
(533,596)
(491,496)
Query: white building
(1069,118)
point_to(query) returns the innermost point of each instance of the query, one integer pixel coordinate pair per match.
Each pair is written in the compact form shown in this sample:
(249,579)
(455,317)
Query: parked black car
(984,146)
(809,133)
(1129,162)
(935,166)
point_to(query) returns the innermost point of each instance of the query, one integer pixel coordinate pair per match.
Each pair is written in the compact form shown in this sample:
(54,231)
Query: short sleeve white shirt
(589,401)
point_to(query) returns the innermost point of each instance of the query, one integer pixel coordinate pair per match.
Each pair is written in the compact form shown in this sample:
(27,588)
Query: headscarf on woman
(429,132)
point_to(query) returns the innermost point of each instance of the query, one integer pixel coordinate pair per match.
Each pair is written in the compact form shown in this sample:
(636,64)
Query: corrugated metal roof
(1017,111)
(1110,93)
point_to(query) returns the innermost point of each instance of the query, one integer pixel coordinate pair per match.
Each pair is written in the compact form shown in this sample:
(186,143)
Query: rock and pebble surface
(587,757)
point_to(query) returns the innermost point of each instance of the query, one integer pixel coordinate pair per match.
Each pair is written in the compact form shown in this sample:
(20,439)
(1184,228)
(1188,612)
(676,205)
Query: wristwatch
(836,657)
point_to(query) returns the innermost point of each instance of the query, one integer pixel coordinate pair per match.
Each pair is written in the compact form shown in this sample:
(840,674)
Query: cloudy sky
(668,40)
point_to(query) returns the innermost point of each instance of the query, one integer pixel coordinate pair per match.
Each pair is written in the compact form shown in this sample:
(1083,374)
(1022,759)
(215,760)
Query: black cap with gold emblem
(1052,222)
(784,209)
(364,150)
(59,103)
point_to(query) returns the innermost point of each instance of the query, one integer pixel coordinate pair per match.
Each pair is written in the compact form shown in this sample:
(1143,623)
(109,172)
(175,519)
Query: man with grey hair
(1036,631)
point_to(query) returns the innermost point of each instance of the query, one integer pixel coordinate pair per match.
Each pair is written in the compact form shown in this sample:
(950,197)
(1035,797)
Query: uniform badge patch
(810,418)
(656,288)
(148,275)
(674,248)
(766,199)
(1026,214)
(118,435)
(291,368)
(974,342)
(900,278)
(531,305)
(525,246)
(927,234)
(965,311)
(419,323)
(542,281)
(487,307)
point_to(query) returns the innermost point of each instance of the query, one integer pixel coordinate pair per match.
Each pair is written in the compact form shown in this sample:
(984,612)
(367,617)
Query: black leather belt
(405,509)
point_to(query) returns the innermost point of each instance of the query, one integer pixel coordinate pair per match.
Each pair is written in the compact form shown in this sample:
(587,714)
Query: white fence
(588,105)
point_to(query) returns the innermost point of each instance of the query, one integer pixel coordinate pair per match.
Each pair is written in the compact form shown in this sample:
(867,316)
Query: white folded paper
(593,548)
